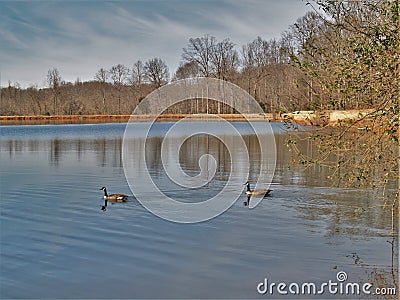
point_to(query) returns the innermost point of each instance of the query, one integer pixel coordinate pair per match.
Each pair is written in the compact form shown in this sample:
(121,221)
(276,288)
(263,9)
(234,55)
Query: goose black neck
(105,193)
(248,187)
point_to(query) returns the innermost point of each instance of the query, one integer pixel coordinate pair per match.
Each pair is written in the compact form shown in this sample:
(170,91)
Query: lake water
(56,242)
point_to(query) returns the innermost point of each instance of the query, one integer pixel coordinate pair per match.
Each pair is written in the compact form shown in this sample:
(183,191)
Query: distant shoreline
(88,119)
(302,117)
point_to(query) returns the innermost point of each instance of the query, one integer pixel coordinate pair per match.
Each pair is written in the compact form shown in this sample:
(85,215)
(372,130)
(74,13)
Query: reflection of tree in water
(107,151)
(346,211)
(196,146)
(79,150)
(117,150)
(100,145)
(55,152)
(289,171)
(351,213)
(342,212)
(153,155)
(254,149)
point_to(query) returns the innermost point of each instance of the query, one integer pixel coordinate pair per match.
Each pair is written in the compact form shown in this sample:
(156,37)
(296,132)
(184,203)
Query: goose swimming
(114,197)
(259,192)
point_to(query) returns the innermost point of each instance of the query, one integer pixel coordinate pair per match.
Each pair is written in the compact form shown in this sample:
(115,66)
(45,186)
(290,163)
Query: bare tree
(54,81)
(34,97)
(102,77)
(137,73)
(254,52)
(255,60)
(187,70)
(200,50)
(119,74)
(224,59)
(156,71)
(137,79)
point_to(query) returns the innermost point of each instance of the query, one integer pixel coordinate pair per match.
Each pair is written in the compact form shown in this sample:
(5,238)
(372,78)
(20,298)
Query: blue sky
(80,37)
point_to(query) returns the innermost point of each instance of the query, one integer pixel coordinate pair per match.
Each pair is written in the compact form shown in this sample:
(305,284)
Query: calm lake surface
(56,242)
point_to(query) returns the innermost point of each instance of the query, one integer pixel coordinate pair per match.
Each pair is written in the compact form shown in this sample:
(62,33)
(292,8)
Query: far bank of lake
(302,117)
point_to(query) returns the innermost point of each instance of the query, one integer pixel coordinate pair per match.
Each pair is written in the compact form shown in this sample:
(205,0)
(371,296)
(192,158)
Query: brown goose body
(259,192)
(114,197)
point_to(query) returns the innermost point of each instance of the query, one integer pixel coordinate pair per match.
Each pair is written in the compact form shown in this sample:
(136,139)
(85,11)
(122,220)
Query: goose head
(105,191)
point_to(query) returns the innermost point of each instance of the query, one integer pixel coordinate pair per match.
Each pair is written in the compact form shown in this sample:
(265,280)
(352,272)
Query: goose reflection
(113,198)
(104,207)
(247,203)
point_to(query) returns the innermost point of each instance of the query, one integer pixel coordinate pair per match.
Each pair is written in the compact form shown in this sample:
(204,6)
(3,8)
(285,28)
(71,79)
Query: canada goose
(113,197)
(251,192)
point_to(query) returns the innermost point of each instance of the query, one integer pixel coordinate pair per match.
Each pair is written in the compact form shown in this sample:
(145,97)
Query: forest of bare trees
(338,56)
(261,67)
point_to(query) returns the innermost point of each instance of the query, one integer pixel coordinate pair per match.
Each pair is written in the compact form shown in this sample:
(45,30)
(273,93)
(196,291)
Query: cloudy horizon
(80,37)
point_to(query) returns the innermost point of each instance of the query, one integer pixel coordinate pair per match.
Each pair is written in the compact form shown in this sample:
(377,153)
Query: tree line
(341,55)
(119,89)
